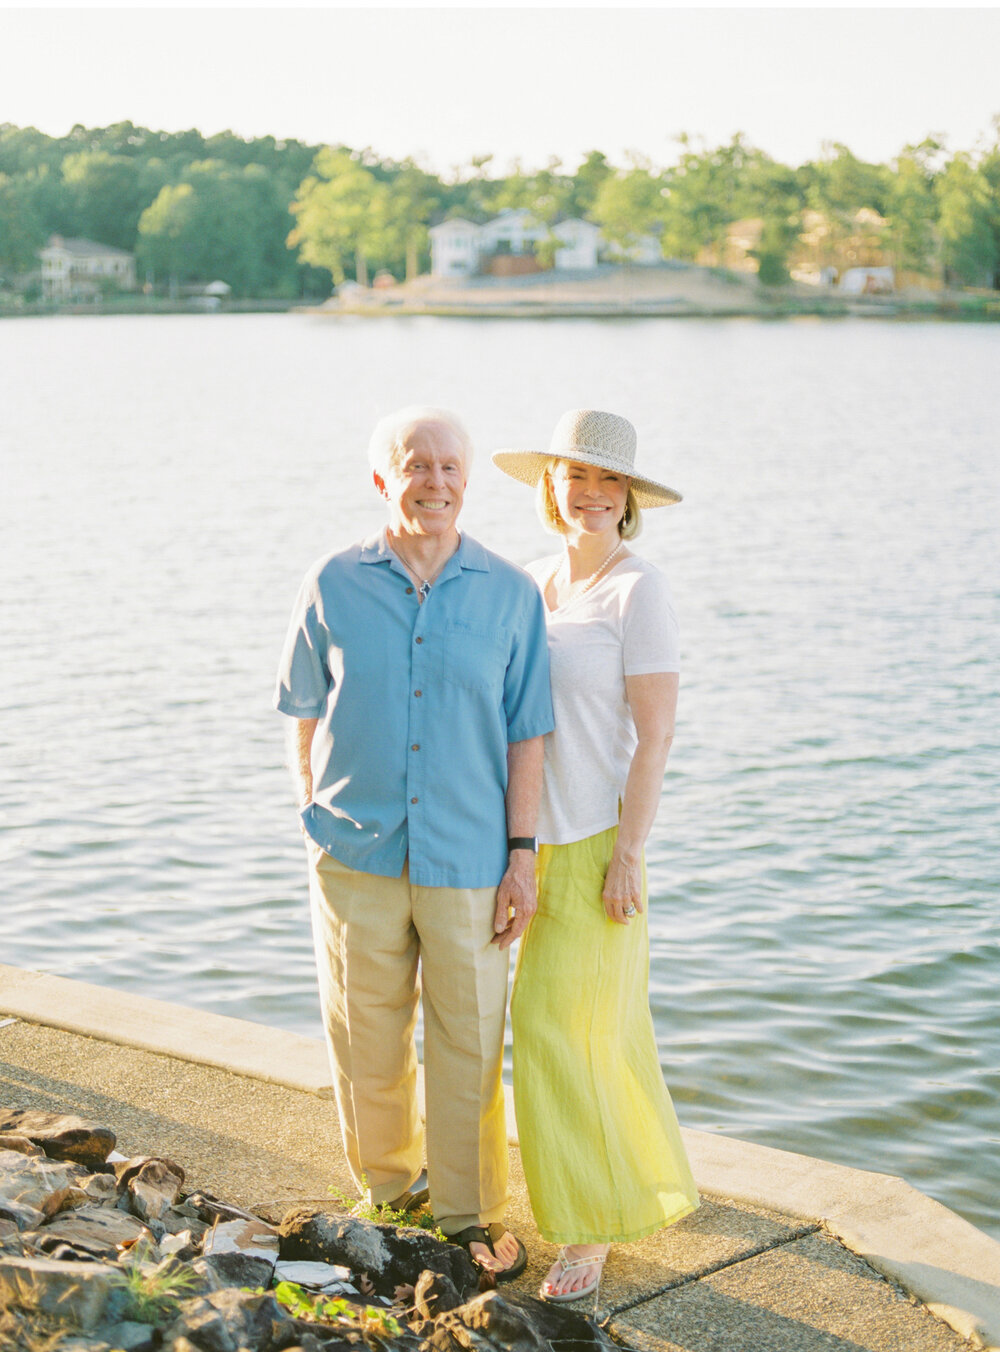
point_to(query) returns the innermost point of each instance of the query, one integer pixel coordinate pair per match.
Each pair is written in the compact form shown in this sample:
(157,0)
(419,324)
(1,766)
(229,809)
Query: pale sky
(447,84)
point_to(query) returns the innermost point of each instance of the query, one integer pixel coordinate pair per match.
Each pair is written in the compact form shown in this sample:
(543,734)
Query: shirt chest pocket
(475,656)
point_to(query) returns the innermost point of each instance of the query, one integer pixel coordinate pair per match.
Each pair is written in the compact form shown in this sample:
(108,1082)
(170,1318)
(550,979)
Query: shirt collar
(469,555)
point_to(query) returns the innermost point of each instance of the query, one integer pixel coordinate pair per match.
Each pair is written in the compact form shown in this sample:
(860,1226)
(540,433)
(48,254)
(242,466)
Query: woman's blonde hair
(548,512)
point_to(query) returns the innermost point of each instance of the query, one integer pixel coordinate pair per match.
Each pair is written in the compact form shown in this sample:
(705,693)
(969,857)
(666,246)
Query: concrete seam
(693,1277)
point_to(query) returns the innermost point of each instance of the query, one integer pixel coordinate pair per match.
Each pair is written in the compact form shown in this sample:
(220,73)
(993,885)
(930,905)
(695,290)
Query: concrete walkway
(786,1254)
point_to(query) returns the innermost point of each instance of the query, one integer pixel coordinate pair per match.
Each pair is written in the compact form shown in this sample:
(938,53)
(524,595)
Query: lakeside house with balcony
(82,269)
(460,248)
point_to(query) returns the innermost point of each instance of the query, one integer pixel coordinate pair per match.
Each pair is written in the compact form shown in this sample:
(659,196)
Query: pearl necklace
(595,575)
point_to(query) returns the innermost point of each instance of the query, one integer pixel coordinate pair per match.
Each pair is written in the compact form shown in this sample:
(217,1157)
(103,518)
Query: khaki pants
(370,935)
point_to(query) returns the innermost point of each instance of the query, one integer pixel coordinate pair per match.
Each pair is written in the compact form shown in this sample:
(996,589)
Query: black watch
(522,843)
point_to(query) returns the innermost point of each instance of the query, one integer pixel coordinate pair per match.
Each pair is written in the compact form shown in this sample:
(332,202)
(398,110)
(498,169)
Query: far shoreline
(666,291)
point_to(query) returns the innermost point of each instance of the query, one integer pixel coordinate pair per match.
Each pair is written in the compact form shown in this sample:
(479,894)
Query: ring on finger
(630,909)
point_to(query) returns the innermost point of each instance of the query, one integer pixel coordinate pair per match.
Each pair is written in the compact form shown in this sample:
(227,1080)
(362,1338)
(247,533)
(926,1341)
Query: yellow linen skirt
(602,1152)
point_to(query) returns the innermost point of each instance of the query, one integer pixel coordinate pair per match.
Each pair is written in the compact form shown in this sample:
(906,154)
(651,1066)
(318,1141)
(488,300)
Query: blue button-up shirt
(416,705)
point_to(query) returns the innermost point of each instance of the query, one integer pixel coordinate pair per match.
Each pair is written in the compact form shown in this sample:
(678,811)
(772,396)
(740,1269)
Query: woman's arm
(653,700)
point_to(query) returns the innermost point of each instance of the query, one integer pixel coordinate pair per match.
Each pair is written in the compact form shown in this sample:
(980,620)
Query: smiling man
(416,671)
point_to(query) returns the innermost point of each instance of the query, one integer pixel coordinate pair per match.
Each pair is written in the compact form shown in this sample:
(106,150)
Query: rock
(308,1341)
(21,1216)
(100,1232)
(240,1252)
(27,1180)
(21,1144)
(181,1245)
(517,1324)
(130,1336)
(236,1268)
(10,1237)
(75,1293)
(328,1278)
(100,1187)
(229,1320)
(64,1199)
(207,1207)
(391,1257)
(172,1276)
(61,1135)
(151,1185)
(178,1222)
(435,1294)
(241,1236)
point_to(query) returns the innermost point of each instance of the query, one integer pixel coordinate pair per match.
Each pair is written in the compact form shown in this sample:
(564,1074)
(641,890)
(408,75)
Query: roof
(450,225)
(85,248)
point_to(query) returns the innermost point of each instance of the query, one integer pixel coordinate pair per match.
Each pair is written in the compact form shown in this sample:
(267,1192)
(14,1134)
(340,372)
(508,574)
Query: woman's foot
(575,1273)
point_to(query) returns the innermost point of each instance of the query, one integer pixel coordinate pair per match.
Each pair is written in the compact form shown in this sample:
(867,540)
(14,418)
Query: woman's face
(591,500)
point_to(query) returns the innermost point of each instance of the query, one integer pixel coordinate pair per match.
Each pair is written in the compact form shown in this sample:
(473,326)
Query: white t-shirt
(625,625)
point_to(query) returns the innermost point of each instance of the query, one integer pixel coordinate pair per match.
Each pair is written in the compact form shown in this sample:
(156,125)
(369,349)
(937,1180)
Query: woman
(600,1144)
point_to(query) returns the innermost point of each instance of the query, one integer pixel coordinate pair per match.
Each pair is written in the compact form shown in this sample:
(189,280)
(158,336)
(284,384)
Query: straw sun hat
(591,438)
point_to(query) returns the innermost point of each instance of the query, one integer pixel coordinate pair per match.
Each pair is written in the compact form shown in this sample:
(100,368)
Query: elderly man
(416,669)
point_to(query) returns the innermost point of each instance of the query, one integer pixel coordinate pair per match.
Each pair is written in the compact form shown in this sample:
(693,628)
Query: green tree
(586,183)
(166,236)
(705,194)
(221,223)
(108,193)
(22,233)
(912,207)
(342,214)
(628,205)
(968,244)
(773,193)
(414,199)
(989,168)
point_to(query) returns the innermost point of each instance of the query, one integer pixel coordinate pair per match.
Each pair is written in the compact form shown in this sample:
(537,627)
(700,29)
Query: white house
(454,248)
(579,241)
(75,269)
(514,231)
(867,281)
(458,247)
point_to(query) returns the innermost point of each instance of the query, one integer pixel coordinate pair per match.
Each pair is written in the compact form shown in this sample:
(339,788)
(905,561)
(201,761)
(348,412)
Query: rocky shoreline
(103,1253)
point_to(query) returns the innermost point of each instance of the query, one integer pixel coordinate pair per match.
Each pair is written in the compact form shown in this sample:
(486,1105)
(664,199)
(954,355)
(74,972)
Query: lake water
(824,876)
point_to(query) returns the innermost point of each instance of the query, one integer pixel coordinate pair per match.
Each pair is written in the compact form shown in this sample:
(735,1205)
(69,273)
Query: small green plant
(385,1215)
(153,1296)
(321,1309)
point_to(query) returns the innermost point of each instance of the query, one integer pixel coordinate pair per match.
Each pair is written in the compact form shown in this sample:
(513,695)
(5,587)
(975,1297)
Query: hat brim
(527,467)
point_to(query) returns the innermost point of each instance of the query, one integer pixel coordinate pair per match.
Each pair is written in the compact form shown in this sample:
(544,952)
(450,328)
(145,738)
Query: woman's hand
(623,888)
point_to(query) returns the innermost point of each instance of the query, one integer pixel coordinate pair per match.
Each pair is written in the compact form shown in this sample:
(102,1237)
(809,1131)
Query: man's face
(426,485)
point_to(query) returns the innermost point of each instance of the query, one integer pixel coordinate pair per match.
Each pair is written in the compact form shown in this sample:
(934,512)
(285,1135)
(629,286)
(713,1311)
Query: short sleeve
(527,696)
(650,637)
(303,674)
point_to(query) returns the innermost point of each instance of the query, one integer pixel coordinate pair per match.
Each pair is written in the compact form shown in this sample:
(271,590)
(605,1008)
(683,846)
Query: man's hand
(516,899)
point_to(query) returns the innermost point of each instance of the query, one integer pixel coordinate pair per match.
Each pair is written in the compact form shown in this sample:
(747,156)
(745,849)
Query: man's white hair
(388,441)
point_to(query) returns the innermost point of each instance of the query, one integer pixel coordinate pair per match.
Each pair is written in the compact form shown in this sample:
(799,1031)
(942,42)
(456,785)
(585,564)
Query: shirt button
(409,591)
(414,800)
(420,640)
(418,693)
(415,746)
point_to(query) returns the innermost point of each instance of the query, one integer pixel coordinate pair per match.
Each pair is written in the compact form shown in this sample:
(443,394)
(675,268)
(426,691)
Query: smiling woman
(602,1152)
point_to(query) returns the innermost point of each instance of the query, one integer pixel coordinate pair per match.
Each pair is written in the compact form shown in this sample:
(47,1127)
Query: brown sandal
(489,1235)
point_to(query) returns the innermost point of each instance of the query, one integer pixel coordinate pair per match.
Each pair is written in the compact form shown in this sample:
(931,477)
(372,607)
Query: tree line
(282,218)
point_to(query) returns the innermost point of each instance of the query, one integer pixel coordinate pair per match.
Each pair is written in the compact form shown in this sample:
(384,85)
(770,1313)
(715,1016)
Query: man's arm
(516,892)
(300,739)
